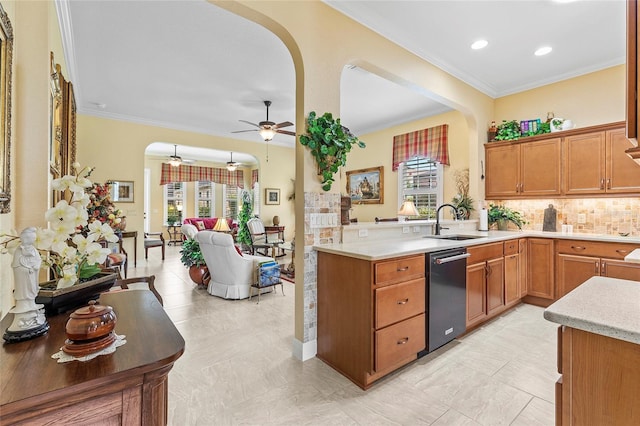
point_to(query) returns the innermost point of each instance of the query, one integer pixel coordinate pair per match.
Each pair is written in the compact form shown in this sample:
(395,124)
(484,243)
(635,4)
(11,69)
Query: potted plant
(329,142)
(462,201)
(192,258)
(244,237)
(508,131)
(502,215)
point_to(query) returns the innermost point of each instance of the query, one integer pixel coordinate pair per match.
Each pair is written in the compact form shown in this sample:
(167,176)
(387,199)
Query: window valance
(204,174)
(431,143)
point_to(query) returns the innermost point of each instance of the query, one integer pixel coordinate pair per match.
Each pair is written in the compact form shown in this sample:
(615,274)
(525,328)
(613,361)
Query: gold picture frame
(272,196)
(366,186)
(121,191)
(6,64)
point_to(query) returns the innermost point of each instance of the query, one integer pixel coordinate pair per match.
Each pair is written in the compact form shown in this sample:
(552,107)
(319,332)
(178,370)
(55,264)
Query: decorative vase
(200,275)
(276,221)
(56,301)
(503,224)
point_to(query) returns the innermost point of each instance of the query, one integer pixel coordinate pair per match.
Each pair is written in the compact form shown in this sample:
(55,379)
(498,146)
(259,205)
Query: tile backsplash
(587,215)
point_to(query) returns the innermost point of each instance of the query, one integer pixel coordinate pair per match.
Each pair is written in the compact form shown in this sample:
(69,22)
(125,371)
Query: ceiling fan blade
(283,124)
(286,132)
(248,122)
(242,131)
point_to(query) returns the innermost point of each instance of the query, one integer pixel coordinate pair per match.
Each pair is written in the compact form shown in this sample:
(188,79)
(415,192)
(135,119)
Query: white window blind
(205,199)
(421,180)
(231,201)
(174,196)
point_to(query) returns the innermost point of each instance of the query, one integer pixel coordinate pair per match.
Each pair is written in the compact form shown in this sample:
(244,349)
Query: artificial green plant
(329,142)
(244,236)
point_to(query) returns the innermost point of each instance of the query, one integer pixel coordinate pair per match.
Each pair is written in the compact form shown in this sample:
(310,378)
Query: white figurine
(26,265)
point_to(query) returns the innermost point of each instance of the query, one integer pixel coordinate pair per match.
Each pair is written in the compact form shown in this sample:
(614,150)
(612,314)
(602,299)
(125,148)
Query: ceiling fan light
(267,134)
(231,167)
(175,161)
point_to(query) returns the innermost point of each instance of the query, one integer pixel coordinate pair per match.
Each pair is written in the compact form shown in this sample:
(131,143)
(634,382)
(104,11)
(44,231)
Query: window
(256,199)
(205,196)
(174,196)
(231,201)
(421,179)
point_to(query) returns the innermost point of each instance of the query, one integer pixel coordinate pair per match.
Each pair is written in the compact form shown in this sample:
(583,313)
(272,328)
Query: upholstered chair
(260,241)
(189,231)
(153,239)
(232,273)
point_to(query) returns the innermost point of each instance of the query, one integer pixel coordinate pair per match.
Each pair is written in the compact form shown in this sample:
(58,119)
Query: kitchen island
(598,353)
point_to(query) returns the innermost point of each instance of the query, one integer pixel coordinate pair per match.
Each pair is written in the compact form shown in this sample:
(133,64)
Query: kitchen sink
(454,237)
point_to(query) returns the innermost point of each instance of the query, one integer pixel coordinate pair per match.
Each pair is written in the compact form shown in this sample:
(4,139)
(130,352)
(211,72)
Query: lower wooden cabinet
(600,380)
(371,314)
(540,272)
(579,260)
(512,279)
(485,282)
(495,286)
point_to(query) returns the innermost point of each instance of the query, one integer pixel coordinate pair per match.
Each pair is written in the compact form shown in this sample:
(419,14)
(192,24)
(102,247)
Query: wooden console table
(134,235)
(127,387)
(175,234)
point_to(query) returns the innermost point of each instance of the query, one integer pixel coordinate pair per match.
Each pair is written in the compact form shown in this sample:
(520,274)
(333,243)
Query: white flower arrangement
(70,253)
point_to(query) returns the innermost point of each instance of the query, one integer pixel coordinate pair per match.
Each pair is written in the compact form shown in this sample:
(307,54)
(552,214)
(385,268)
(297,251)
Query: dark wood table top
(27,369)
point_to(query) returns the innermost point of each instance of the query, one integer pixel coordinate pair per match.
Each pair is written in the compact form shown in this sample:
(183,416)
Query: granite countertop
(384,249)
(606,306)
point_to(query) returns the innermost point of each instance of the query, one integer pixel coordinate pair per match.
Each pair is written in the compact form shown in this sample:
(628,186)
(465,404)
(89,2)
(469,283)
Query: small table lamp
(221,225)
(408,209)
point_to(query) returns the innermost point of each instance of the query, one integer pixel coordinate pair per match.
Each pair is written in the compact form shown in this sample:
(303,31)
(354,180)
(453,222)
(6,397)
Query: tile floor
(238,369)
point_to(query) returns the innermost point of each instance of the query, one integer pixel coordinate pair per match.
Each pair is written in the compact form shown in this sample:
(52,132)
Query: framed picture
(271,196)
(366,186)
(121,191)
(6,59)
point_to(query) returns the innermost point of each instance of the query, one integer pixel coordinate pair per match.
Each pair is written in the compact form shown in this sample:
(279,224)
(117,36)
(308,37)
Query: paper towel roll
(483,224)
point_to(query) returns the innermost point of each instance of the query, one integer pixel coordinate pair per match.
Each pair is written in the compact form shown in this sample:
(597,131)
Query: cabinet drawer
(400,301)
(593,248)
(398,270)
(484,252)
(511,247)
(399,341)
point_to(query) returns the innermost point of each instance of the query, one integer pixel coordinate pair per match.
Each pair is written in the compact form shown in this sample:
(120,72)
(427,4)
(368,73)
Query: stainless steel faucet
(438,227)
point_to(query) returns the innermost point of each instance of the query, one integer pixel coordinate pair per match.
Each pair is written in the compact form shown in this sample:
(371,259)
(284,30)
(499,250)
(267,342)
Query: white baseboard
(304,351)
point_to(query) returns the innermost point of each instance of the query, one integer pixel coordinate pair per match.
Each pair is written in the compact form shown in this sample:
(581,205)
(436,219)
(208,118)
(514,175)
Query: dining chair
(125,283)
(153,239)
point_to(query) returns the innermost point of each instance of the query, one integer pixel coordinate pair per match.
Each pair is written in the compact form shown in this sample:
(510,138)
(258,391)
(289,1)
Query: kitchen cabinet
(512,267)
(579,260)
(595,164)
(485,282)
(522,259)
(371,314)
(540,271)
(523,169)
(600,379)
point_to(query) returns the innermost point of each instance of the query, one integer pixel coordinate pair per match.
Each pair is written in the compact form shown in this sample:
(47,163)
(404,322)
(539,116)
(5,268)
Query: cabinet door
(476,293)
(540,169)
(503,171)
(540,277)
(511,279)
(574,270)
(584,160)
(620,269)
(623,174)
(495,285)
(522,261)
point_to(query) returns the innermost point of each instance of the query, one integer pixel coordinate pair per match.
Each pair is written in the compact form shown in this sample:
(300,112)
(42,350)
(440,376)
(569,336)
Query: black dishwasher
(446,297)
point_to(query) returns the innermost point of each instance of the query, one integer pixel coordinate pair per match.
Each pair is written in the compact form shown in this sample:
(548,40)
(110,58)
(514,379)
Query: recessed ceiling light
(543,51)
(479,44)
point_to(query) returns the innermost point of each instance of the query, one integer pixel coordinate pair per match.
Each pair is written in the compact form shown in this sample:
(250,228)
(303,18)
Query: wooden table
(134,235)
(175,234)
(127,387)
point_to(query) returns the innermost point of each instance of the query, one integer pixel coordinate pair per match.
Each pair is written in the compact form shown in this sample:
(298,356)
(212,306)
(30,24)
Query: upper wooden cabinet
(516,170)
(596,163)
(582,162)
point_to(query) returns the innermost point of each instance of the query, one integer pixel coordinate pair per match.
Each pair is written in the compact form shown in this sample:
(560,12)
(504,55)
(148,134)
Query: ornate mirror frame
(6,60)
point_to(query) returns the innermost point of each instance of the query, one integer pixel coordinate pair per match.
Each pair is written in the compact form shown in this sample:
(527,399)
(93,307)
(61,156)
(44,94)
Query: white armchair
(189,231)
(232,273)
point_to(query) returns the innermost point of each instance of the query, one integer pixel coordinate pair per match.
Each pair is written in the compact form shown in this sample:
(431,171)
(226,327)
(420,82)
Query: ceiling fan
(232,165)
(268,129)
(175,160)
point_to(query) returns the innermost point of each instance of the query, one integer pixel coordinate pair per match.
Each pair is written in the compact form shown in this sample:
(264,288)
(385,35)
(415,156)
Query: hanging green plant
(329,142)
(508,131)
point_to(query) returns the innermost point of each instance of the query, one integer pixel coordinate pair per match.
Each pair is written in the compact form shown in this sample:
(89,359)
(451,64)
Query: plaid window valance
(254,177)
(431,143)
(204,174)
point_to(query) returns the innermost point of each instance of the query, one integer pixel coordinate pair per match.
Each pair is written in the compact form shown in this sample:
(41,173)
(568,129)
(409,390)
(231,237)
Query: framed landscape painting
(366,186)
